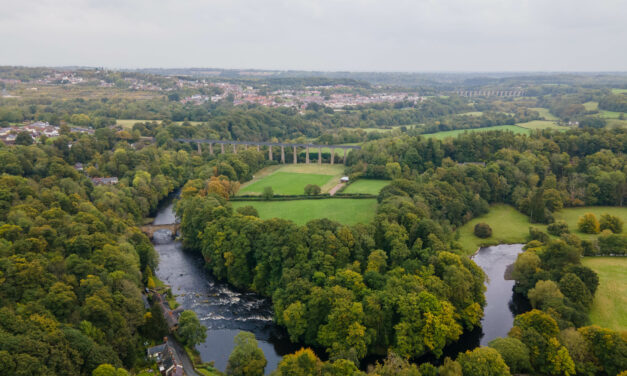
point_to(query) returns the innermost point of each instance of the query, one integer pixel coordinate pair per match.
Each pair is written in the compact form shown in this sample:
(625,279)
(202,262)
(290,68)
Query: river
(226,311)
(222,309)
(501,303)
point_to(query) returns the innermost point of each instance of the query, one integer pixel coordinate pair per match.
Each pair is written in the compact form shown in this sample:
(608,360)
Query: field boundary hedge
(323,196)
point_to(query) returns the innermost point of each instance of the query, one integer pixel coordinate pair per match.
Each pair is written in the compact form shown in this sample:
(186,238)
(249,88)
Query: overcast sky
(359,35)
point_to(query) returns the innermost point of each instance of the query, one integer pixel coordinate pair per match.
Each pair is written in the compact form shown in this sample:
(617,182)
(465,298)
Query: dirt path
(336,188)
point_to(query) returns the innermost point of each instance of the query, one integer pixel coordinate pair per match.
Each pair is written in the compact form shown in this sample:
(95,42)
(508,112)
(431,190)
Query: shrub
(312,190)
(612,223)
(248,210)
(588,224)
(536,233)
(267,193)
(558,228)
(483,230)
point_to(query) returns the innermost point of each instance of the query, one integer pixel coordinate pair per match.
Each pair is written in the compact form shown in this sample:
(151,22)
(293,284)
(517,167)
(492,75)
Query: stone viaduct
(270,145)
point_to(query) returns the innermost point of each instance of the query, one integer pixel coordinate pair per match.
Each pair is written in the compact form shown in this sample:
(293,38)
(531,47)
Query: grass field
(610,301)
(508,226)
(541,124)
(591,106)
(544,112)
(619,91)
(291,179)
(369,186)
(511,226)
(346,211)
(571,216)
(457,132)
(472,113)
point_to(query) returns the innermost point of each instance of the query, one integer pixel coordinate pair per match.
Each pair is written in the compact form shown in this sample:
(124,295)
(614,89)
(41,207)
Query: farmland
(541,124)
(609,308)
(369,186)
(457,132)
(346,211)
(291,179)
(508,226)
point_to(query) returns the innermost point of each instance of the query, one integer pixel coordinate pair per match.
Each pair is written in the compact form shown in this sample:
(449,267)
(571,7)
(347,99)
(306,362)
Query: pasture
(369,186)
(291,179)
(545,113)
(343,210)
(457,132)
(571,216)
(609,308)
(508,226)
(542,124)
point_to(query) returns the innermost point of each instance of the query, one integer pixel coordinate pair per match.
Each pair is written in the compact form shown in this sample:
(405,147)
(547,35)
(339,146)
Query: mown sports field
(347,211)
(609,308)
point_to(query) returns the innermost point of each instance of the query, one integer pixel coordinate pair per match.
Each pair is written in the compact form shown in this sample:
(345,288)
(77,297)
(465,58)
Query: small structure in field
(344,179)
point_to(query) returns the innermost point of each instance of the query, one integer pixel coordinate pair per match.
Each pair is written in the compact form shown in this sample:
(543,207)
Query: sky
(325,35)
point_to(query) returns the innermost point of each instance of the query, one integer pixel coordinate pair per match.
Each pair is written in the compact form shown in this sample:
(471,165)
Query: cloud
(389,35)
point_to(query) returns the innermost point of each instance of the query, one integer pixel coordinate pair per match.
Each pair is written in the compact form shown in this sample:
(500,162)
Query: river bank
(222,309)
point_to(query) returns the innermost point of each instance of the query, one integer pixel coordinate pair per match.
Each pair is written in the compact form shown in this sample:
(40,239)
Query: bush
(612,223)
(267,193)
(588,224)
(612,244)
(312,190)
(248,210)
(558,228)
(537,234)
(483,230)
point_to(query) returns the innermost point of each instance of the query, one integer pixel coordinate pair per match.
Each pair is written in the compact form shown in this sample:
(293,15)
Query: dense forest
(401,283)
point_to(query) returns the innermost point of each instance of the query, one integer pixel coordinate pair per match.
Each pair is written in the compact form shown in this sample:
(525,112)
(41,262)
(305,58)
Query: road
(187,362)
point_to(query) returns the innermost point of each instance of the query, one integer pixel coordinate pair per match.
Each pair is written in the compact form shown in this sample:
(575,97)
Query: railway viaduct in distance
(270,145)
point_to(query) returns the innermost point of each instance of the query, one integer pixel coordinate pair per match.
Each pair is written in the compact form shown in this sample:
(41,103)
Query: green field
(591,106)
(541,124)
(508,226)
(571,216)
(610,301)
(619,91)
(511,226)
(472,113)
(544,112)
(345,210)
(457,132)
(369,186)
(291,179)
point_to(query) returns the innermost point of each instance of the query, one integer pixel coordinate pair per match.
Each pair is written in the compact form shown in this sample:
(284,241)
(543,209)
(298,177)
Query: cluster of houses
(297,98)
(36,130)
(8,135)
(167,359)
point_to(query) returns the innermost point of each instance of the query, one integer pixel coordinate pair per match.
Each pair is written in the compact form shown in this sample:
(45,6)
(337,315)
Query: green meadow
(369,186)
(290,179)
(508,226)
(457,132)
(343,210)
(542,124)
(545,113)
(609,308)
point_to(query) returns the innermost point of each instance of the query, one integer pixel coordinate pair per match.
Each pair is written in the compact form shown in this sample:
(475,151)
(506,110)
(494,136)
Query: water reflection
(501,303)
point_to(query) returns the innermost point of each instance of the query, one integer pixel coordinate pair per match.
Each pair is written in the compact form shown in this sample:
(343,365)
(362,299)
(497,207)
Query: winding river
(226,311)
